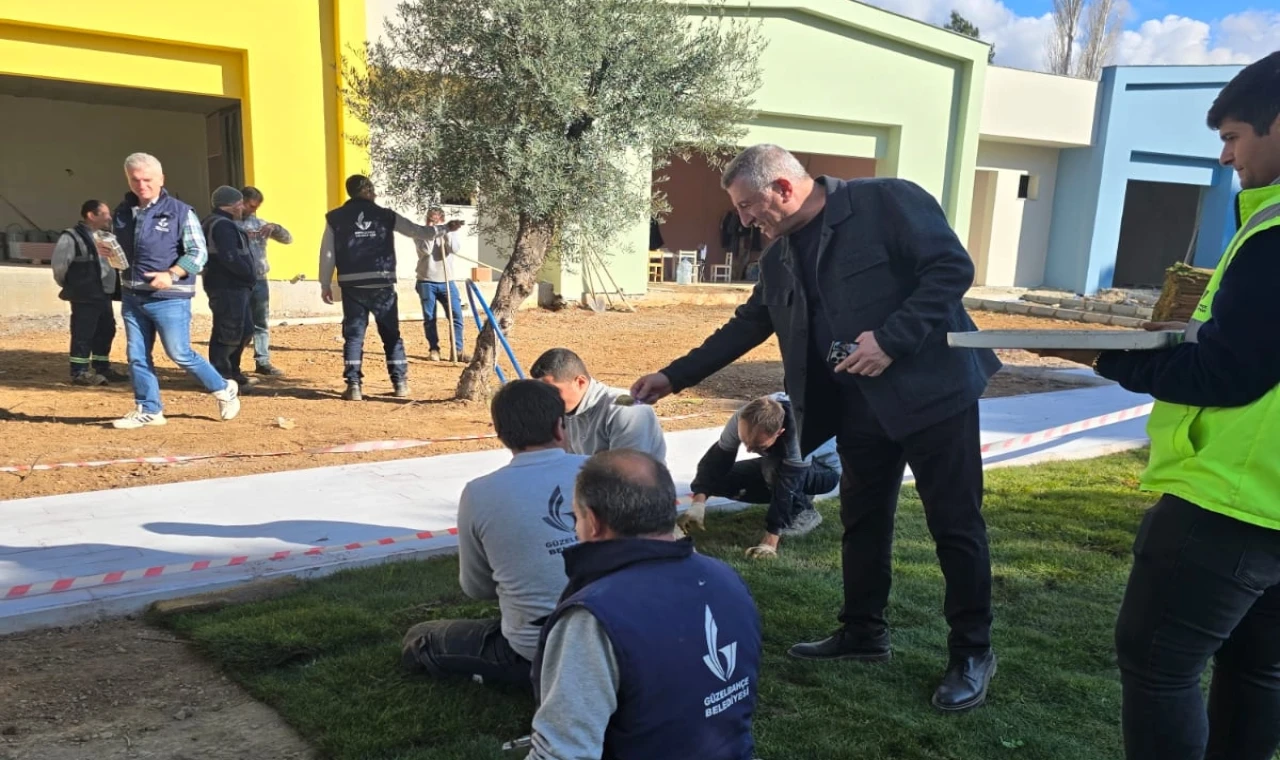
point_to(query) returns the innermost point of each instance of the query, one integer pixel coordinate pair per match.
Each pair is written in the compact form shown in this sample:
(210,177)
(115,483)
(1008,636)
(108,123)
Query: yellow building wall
(279,58)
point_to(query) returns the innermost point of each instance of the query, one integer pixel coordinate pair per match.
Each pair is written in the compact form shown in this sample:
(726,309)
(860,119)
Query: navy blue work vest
(364,246)
(686,635)
(153,243)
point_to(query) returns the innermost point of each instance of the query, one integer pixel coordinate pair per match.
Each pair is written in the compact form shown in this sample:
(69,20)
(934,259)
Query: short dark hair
(1252,96)
(251,193)
(89,207)
(630,491)
(764,415)
(560,364)
(356,184)
(525,414)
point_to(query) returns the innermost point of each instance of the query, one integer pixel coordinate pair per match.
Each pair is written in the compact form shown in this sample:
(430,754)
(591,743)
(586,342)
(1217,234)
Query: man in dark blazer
(872,269)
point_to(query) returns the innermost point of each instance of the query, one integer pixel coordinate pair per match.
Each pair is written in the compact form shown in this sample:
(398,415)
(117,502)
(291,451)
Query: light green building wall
(846,79)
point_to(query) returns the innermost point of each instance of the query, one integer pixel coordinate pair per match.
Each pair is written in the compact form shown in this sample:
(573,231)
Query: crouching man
(654,650)
(598,417)
(779,476)
(513,525)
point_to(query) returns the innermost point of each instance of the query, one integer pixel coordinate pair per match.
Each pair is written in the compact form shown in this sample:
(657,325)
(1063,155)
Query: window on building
(1028,187)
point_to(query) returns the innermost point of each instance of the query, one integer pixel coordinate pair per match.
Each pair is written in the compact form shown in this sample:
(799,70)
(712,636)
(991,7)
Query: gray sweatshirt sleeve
(327,259)
(417,231)
(580,684)
(475,574)
(63,252)
(636,427)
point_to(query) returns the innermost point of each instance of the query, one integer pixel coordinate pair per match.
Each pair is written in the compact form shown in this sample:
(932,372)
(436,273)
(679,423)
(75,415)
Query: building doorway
(1157,230)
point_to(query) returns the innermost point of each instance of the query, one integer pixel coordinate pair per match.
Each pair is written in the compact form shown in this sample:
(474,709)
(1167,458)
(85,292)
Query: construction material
(1067,340)
(1184,286)
(474,294)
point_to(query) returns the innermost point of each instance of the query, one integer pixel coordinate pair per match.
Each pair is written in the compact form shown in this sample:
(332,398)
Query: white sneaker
(228,400)
(138,418)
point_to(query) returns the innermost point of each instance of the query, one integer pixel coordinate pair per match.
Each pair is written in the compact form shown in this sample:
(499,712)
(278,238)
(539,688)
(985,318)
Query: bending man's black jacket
(888,262)
(231,263)
(1235,359)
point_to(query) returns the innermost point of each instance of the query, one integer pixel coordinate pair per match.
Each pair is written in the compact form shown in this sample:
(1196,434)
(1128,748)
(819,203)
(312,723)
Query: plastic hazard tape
(25,590)
(362,447)
(1034,439)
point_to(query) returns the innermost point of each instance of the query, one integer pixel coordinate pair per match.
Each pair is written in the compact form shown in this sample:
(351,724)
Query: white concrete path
(83,534)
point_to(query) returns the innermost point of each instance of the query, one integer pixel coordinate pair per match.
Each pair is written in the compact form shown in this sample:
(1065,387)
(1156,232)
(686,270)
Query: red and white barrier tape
(26,590)
(1053,433)
(362,447)
(121,576)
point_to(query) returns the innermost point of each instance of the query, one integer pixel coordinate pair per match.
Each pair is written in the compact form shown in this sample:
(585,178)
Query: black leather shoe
(846,645)
(964,685)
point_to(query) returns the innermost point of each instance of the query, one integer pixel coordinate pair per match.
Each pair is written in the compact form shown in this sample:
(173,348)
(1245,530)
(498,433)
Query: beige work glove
(696,514)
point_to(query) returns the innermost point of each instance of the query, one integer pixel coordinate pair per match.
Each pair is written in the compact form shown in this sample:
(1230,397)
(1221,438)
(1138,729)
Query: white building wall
(1017,238)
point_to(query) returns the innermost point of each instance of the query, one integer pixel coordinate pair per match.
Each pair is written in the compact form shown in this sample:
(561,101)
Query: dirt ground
(123,690)
(46,420)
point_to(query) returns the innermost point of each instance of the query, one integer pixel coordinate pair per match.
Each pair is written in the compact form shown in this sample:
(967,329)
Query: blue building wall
(1149,125)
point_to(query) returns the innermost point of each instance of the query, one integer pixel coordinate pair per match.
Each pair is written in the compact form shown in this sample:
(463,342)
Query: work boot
(112,376)
(269,369)
(846,645)
(88,378)
(401,388)
(352,393)
(964,685)
(462,358)
(433,355)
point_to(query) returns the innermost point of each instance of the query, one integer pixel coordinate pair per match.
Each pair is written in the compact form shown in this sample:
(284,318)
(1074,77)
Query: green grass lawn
(327,656)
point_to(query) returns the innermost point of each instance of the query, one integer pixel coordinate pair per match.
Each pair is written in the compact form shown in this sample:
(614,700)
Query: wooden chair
(723,270)
(656,266)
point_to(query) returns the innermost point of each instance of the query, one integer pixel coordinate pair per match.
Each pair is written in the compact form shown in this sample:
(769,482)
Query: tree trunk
(519,277)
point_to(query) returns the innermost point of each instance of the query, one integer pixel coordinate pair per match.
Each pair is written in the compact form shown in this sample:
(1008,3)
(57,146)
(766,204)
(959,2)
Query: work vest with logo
(1223,459)
(152,241)
(686,636)
(217,275)
(88,278)
(364,246)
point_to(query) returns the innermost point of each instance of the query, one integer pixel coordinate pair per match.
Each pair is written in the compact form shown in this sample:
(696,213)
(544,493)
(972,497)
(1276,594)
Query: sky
(1155,31)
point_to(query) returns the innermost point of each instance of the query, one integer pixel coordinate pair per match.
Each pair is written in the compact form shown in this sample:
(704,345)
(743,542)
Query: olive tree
(543,110)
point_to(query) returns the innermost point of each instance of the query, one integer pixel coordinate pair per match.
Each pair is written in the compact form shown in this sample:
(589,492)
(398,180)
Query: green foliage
(548,110)
(962,25)
(327,656)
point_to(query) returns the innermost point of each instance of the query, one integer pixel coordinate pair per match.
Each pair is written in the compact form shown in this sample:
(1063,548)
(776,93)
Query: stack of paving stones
(1071,309)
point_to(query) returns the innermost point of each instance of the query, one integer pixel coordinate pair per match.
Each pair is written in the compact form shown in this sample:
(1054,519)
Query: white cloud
(1020,40)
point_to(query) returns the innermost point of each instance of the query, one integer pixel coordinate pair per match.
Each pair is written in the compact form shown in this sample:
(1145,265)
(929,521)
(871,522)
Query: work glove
(696,514)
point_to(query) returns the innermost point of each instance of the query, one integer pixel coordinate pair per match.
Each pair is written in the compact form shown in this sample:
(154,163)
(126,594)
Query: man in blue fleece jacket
(229,278)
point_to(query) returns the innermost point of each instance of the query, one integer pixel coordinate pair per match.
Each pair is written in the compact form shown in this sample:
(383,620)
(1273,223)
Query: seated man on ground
(512,526)
(597,417)
(779,477)
(654,650)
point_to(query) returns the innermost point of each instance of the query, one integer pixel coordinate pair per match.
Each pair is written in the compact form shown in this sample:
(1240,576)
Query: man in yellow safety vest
(1206,573)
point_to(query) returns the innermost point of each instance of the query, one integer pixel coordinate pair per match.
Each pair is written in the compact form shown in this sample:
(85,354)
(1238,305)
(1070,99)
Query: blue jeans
(261,305)
(384,305)
(144,316)
(433,294)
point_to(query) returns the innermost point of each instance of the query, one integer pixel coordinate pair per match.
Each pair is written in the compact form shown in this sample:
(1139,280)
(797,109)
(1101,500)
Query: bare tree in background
(1101,34)
(1084,37)
(1066,27)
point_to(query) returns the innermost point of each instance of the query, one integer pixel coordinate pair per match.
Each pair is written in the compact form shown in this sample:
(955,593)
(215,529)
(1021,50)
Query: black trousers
(466,648)
(384,305)
(946,460)
(1203,585)
(232,329)
(93,329)
(752,480)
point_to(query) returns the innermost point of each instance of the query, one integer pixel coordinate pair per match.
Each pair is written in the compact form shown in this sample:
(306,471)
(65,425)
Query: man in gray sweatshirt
(513,525)
(597,417)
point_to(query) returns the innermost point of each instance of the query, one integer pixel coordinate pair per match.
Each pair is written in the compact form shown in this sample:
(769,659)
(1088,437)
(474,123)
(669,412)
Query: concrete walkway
(74,535)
